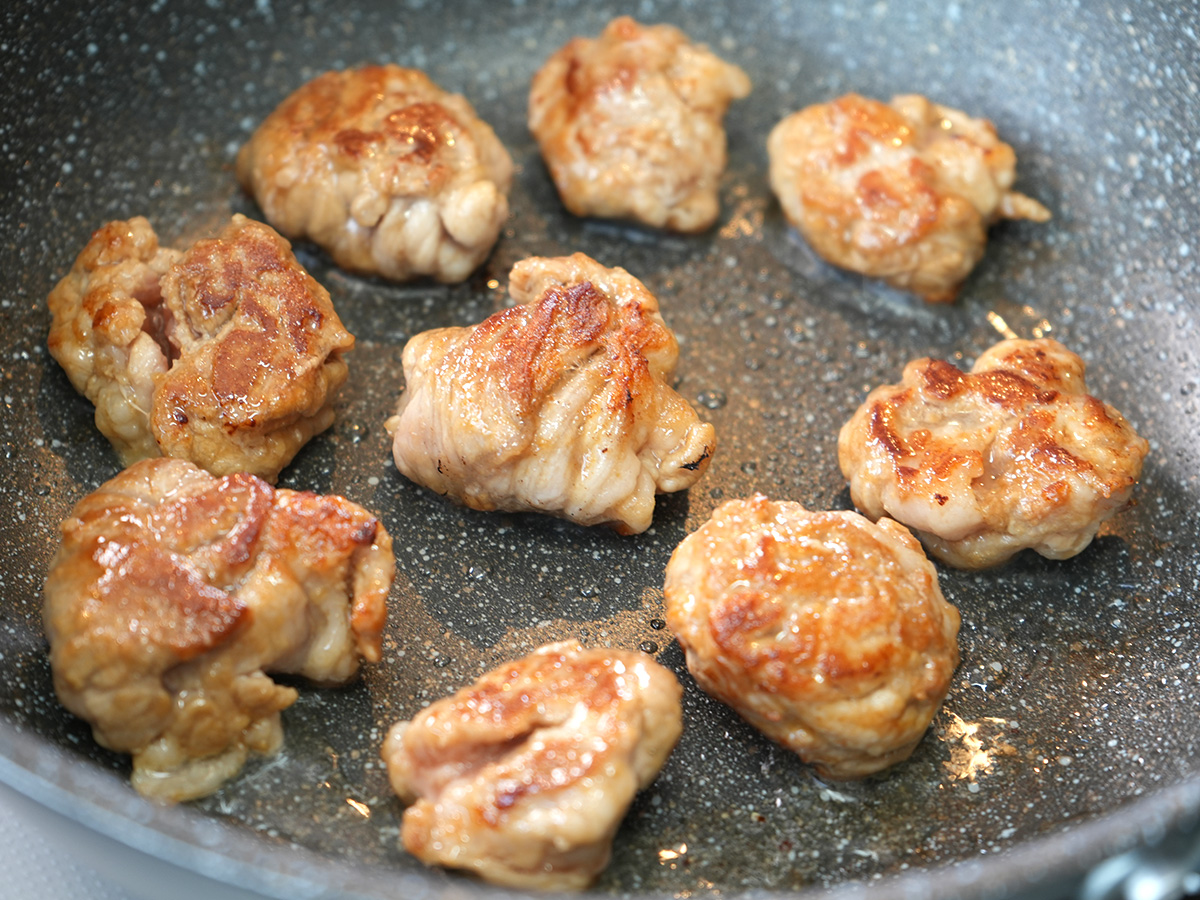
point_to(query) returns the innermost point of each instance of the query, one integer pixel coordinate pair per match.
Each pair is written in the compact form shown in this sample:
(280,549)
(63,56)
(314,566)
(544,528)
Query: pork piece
(174,592)
(981,465)
(386,171)
(227,354)
(560,405)
(523,777)
(823,630)
(902,191)
(630,124)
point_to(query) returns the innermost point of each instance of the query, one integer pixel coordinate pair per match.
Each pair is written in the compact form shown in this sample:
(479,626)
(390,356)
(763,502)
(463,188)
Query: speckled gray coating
(1077,690)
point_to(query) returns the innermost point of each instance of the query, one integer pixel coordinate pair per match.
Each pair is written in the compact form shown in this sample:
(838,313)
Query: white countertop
(33,864)
(48,856)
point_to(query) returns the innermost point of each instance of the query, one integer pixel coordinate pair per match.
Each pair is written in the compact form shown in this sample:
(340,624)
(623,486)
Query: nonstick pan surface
(1070,731)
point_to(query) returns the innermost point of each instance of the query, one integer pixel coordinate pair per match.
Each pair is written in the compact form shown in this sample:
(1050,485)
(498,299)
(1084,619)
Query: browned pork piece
(825,631)
(902,191)
(524,776)
(561,404)
(630,124)
(175,592)
(1014,454)
(383,169)
(227,354)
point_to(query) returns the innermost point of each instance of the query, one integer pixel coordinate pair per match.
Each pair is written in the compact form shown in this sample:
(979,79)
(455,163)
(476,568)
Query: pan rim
(187,839)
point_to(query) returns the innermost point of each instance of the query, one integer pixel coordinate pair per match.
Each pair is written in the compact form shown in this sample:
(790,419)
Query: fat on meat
(903,191)
(524,776)
(385,170)
(826,631)
(630,124)
(228,353)
(175,594)
(561,404)
(1014,454)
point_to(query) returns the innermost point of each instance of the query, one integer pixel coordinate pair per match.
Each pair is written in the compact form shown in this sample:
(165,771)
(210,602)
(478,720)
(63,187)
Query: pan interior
(1076,693)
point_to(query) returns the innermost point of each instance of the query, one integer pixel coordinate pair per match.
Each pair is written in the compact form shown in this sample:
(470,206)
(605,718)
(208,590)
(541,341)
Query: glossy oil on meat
(524,776)
(561,404)
(1014,454)
(228,354)
(175,593)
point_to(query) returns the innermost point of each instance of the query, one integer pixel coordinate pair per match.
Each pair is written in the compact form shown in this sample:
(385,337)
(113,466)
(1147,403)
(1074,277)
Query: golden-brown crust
(1013,454)
(524,776)
(228,354)
(385,170)
(107,330)
(561,404)
(173,605)
(414,134)
(612,114)
(173,591)
(260,354)
(825,631)
(903,192)
(534,343)
(327,534)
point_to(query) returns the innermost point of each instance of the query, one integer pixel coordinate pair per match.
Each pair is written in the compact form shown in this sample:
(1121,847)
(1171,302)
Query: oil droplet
(648,647)
(441,661)
(712,399)
(479,573)
(658,624)
(750,467)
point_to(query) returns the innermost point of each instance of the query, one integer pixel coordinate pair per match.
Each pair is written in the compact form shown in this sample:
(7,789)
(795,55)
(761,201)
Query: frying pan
(1070,731)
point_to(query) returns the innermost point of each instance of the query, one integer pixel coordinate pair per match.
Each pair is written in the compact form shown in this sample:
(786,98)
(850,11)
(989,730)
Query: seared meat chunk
(630,124)
(175,592)
(561,404)
(1014,454)
(825,631)
(227,354)
(524,776)
(902,191)
(383,169)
